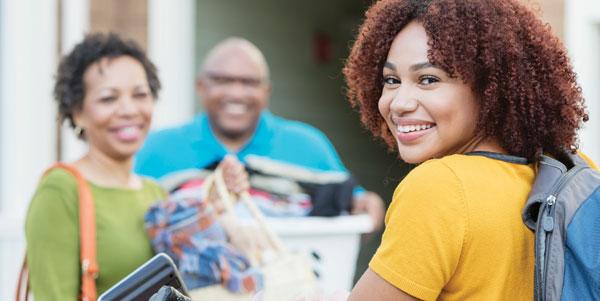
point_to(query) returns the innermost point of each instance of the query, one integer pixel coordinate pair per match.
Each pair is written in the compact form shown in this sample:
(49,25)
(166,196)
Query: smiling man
(234,89)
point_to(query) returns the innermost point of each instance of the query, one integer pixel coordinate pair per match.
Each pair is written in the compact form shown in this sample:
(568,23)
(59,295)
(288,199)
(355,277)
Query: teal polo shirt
(193,145)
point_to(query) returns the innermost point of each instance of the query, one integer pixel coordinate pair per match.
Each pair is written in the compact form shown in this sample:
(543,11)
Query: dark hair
(528,95)
(69,89)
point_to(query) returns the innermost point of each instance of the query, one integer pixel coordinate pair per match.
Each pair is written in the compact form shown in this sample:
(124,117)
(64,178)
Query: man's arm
(370,203)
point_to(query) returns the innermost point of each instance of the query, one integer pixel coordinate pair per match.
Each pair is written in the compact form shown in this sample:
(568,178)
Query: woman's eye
(141,95)
(390,80)
(428,80)
(108,98)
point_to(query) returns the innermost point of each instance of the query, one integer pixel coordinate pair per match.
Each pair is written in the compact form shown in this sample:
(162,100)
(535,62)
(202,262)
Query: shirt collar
(259,142)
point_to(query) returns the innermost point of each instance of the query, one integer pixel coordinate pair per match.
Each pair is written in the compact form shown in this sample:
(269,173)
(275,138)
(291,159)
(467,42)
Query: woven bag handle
(216,180)
(87,241)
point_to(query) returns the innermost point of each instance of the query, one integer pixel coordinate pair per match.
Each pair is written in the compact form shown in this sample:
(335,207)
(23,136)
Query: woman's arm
(423,240)
(372,287)
(52,244)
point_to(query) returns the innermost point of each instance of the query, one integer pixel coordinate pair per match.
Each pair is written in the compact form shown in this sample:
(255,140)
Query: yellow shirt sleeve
(588,160)
(426,227)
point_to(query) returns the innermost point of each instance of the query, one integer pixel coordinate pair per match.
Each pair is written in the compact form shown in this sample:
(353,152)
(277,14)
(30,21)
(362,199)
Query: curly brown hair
(528,95)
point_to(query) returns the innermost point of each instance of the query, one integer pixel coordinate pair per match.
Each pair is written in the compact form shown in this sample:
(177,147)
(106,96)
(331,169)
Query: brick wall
(551,11)
(128,18)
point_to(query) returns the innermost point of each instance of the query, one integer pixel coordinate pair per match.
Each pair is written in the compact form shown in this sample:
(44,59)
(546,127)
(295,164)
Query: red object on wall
(322,48)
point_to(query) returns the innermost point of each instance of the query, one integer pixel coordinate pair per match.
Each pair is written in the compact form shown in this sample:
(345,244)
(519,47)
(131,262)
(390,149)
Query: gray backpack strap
(559,189)
(577,160)
(549,172)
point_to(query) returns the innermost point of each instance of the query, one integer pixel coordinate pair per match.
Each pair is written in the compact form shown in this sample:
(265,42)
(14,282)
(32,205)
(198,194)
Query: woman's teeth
(128,133)
(413,128)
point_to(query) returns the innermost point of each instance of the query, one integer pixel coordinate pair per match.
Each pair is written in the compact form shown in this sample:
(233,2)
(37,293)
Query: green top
(52,232)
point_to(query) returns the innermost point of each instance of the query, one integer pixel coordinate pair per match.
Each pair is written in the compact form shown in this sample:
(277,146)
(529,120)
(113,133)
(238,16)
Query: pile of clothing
(282,189)
(187,227)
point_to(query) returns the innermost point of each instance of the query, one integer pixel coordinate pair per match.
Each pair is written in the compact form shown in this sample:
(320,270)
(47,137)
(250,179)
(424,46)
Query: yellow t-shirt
(454,231)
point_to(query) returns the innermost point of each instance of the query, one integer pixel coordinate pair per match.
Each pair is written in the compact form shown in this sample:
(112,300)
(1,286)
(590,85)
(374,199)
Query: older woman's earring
(78,131)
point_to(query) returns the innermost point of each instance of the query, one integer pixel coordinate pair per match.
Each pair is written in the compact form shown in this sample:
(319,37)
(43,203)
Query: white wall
(28,61)
(171,40)
(75,24)
(27,129)
(582,37)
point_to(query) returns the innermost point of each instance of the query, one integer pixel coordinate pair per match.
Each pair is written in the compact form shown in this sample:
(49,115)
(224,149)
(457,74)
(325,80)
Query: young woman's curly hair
(528,95)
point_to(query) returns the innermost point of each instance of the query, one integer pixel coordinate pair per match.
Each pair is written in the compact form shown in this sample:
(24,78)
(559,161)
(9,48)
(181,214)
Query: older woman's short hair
(69,89)
(528,95)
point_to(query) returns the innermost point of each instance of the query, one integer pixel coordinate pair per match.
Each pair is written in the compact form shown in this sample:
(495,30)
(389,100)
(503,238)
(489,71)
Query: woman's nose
(127,105)
(404,100)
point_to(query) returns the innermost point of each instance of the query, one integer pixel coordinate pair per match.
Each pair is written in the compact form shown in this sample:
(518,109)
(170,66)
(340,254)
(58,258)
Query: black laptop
(146,280)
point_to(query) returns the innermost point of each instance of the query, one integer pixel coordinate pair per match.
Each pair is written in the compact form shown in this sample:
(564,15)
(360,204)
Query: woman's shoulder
(55,195)
(434,170)
(431,193)
(58,179)
(464,178)
(464,161)
(431,179)
(460,165)
(152,186)
(450,173)
(436,187)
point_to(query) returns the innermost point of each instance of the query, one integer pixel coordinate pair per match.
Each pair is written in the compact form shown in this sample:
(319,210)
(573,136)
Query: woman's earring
(78,131)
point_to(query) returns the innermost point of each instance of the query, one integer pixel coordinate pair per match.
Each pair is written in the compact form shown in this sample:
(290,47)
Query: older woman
(472,92)
(106,89)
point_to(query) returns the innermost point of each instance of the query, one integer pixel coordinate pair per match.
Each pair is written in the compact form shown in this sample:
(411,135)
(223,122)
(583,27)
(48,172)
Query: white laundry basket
(332,242)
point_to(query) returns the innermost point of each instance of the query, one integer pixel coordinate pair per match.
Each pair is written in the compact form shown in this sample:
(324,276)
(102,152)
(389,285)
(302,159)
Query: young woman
(472,92)
(105,88)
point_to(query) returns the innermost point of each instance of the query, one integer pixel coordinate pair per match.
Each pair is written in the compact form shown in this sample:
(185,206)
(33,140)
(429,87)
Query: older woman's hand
(234,174)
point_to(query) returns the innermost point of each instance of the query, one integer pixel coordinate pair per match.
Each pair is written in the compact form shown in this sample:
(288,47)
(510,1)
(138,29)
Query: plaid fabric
(186,228)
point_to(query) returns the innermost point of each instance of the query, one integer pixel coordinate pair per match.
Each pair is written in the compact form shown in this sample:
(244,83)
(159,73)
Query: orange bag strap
(23,282)
(87,240)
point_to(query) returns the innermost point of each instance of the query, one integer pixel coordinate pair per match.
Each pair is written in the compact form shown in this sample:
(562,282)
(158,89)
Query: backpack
(563,209)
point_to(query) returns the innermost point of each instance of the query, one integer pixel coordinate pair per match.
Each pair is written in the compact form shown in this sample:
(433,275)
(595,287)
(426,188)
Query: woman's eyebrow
(389,65)
(420,66)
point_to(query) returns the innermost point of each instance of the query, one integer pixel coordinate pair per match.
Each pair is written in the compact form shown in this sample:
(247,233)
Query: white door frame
(582,37)
(171,46)
(28,44)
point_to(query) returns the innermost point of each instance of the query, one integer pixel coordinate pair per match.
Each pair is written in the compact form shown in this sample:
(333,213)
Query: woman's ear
(79,124)
(78,119)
